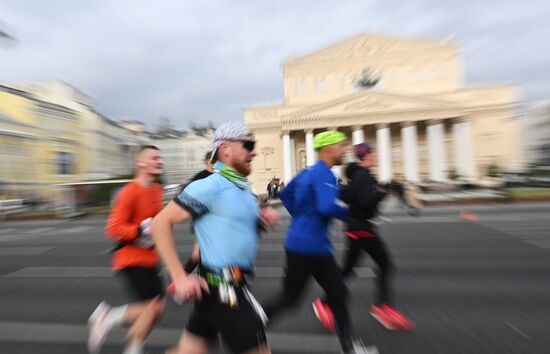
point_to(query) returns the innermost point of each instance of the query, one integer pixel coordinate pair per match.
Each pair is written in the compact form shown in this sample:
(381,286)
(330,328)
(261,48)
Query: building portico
(419,133)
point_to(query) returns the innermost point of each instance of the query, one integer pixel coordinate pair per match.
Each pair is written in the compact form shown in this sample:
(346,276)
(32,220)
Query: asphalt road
(471,287)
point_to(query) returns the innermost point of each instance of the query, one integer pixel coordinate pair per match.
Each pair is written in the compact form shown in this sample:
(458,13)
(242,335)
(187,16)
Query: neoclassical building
(406,97)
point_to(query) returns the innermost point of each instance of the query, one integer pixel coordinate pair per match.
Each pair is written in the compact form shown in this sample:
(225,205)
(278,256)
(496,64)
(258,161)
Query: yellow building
(39,144)
(109,146)
(406,97)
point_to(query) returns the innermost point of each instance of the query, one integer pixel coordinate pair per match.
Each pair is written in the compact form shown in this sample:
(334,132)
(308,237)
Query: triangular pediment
(368,101)
(368,46)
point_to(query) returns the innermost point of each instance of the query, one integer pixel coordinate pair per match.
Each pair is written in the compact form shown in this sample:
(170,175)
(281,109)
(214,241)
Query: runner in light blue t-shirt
(226,220)
(226,217)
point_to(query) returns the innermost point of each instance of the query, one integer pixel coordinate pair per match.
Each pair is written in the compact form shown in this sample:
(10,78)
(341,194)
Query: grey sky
(204,60)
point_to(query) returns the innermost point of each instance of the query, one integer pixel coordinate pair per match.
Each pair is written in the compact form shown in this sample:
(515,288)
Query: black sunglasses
(249,144)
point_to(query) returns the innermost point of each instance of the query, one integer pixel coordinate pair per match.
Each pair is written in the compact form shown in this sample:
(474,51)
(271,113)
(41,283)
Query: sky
(204,60)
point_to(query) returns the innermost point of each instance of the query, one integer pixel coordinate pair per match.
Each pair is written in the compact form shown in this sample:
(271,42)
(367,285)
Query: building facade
(183,154)
(537,134)
(109,147)
(50,133)
(406,97)
(40,144)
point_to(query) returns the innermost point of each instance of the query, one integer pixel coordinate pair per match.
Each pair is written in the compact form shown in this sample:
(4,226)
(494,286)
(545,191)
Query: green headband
(328,138)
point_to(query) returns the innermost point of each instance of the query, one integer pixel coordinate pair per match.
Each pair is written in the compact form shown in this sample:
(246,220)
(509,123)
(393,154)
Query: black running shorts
(241,328)
(141,283)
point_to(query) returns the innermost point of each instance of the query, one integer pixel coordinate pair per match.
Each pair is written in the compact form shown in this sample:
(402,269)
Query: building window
(65,163)
(319,84)
(300,86)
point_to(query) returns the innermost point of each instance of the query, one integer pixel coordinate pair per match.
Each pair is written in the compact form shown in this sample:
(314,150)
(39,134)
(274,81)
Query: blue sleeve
(326,194)
(287,196)
(197,197)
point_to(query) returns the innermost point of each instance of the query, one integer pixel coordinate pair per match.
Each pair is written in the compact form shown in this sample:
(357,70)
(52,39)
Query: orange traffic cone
(468,216)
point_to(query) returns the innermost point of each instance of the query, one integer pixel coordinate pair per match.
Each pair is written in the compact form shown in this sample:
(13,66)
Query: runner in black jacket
(363,194)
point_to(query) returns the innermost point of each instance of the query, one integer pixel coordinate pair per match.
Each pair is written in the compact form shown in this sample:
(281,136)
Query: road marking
(60,272)
(43,332)
(23,251)
(106,251)
(539,243)
(523,334)
(74,230)
(39,230)
(265,247)
(100,272)
(5,231)
(364,272)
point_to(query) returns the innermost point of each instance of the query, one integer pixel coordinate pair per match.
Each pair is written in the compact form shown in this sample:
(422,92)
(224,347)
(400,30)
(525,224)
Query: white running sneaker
(97,328)
(359,348)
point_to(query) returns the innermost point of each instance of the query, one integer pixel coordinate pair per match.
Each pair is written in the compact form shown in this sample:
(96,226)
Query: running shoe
(324,314)
(400,321)
(381,316)
(97,328)
(360,348)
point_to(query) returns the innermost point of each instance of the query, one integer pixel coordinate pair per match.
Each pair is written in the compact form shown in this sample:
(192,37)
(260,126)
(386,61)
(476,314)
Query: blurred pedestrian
(412,197)
(135,261)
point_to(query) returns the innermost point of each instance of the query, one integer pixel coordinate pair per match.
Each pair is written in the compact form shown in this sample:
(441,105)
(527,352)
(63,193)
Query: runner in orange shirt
(135,261)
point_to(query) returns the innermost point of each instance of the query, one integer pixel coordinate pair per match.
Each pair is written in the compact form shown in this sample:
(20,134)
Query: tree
(367,80)
(165,126)
(201,129)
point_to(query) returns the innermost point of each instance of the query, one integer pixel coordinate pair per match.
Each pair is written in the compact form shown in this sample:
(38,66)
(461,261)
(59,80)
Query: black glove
(190,265)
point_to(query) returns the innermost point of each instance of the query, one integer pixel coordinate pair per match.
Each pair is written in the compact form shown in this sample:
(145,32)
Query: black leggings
(299,268)
(376,248)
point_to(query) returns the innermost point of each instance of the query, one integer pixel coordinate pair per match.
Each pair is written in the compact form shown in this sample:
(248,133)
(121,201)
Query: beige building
(183,154)
(537,133)
(422,120)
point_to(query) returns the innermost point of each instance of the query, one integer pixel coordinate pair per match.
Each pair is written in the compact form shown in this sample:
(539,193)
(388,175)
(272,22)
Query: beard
(242,167)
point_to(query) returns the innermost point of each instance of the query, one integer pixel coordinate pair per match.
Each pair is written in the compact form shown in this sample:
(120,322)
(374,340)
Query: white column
(469,150)
(437,151)
(287,159)
(292,158)
(410,151)
(463,150)
(357,135)
(383,144)
(310,151)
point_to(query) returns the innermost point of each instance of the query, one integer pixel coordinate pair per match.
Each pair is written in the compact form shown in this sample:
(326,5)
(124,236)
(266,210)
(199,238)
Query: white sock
(115,316)
(134,348)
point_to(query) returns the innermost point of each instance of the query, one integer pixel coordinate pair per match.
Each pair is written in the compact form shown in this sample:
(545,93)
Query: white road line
(74,230)
(523,334)
(95,272)
(364,272)
(23,251)
(60,272)
(266,247)
(43,332)
(39,230)
(5,231)
(539,243)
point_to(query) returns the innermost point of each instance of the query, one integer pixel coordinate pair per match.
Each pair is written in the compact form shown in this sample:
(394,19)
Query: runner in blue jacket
(312,200)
